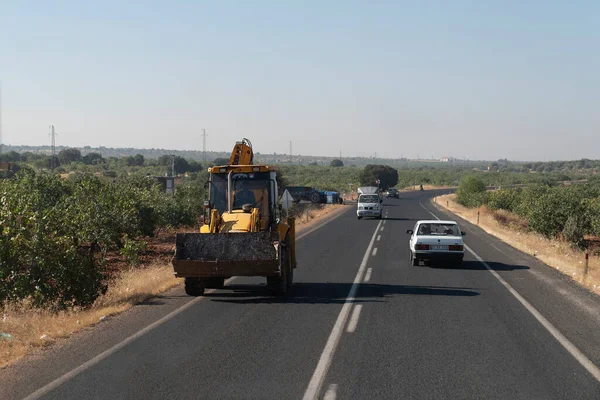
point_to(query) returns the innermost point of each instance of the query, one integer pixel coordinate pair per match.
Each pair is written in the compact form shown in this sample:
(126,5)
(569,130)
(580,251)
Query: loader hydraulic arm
(242,153)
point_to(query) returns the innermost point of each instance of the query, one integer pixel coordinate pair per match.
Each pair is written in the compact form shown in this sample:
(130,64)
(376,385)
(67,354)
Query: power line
(204,135)
(53,134)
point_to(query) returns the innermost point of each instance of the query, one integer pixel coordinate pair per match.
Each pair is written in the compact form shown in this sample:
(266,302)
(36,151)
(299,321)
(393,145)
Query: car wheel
(414,260)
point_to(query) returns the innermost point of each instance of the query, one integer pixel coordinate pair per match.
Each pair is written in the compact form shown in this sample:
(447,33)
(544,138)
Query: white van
(369,202)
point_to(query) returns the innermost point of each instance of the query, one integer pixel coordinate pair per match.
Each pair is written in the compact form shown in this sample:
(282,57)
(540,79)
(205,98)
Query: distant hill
(212,155)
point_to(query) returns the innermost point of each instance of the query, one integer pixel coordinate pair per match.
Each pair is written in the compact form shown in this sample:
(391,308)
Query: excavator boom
(242,153)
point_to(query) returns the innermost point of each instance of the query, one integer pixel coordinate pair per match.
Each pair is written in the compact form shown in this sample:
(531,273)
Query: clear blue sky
(475,79)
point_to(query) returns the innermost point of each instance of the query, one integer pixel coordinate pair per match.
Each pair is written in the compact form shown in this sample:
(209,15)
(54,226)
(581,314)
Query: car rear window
(368,198)
(438,229)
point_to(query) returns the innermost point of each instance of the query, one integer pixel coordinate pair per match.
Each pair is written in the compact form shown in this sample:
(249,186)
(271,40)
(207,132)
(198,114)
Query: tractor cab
(242,197)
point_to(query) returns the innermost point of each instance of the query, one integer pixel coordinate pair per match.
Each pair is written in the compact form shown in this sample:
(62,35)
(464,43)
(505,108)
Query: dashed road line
(374,252)
(354,319)
(331,393)
(316,381)
(368,275)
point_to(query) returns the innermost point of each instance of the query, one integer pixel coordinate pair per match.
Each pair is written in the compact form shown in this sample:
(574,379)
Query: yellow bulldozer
(245,233)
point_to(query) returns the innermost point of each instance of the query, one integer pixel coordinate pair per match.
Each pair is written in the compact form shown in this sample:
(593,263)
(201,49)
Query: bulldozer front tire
(280,284)
(289,278)
(194,287)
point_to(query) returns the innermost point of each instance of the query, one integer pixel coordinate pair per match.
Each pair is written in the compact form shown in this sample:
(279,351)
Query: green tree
(220,161)
(336,163)
(387,176)
(93,159)
(471,191)
(67,156)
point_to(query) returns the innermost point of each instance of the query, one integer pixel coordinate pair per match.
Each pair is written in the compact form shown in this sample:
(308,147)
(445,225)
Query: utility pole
(204,144)
(1,145)
(53,135)
(340,154)
(290,148)
(173,165)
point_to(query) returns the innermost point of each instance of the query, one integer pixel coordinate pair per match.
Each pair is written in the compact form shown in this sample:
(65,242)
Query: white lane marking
(316,382)
(385,221)
(354,318)
(374,252)
(381,229)
(566,343)
(44,390)
(560,338)
(331,393)
(378,238)
(368,275)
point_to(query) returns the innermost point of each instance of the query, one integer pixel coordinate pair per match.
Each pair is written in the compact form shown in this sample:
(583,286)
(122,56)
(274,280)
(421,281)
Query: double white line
(318,377)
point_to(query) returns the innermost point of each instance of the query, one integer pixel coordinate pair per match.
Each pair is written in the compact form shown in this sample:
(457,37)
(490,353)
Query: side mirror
(410,232)
(463,233)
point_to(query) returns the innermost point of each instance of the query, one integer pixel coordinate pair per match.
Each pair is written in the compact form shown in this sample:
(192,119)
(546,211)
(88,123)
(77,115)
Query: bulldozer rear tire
(194,287)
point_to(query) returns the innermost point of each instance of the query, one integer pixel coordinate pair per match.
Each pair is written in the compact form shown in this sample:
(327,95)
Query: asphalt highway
(361,323)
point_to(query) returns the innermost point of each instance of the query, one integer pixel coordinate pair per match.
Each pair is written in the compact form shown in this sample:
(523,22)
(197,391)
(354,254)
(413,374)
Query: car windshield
(368,198)
(436,229)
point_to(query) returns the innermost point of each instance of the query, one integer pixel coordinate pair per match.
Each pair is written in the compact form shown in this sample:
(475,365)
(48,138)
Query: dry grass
(33,329)
(513,230)
(315,213)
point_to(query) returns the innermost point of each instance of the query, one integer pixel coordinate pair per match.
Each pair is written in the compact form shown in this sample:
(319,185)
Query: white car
(369,205)
(436,241)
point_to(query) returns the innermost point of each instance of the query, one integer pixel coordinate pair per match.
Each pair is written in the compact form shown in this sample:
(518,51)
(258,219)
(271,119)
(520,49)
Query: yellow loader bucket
(204,255)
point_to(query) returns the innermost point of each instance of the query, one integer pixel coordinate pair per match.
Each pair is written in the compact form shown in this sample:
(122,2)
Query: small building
(167,183)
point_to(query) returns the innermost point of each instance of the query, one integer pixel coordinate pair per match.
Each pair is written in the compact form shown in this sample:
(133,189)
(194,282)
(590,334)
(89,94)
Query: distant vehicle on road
(369,202)
(433,240)
(393,192)
(307,193)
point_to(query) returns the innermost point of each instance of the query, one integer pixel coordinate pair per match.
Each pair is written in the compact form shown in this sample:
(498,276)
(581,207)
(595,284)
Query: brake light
(455,247)
(422,247)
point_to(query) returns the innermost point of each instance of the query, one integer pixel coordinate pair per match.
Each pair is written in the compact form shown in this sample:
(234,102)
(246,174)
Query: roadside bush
(132,250)
(573,231)
(471,192)
(503,199)
(55,233)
